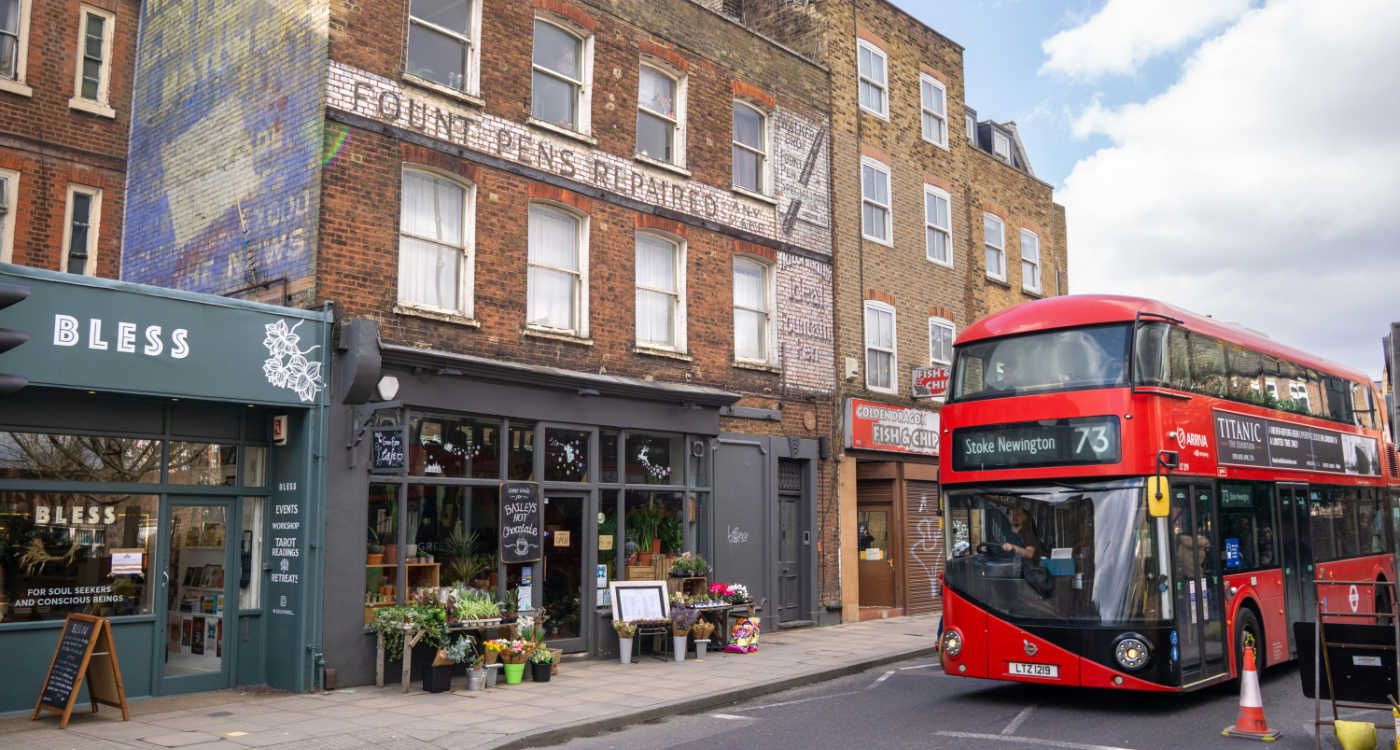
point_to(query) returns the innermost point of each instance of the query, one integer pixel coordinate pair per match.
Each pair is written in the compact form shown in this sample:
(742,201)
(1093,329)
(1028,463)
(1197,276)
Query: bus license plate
(1022,669)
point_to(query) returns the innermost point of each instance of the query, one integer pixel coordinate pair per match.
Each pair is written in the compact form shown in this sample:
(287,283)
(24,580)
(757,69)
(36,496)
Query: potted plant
(393,622)
(702,630)
(626,631)
(374,551)
(514,656)
(476,675)
(682,619)
(438,677)
(541,664)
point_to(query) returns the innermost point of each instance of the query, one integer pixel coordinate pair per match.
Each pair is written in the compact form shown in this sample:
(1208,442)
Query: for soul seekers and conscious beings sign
(522,520)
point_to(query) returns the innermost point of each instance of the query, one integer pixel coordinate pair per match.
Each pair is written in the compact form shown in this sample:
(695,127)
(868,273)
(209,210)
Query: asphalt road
(912,704)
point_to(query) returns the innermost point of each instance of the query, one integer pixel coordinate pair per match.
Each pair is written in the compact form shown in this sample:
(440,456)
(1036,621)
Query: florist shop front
(160,468)
(440,458)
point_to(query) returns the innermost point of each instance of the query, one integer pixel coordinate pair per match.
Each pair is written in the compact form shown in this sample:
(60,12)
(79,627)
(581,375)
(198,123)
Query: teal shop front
(163,467)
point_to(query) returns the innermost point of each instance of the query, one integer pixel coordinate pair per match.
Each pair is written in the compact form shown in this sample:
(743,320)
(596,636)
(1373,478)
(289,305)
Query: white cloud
(1126,33)
(1262,187)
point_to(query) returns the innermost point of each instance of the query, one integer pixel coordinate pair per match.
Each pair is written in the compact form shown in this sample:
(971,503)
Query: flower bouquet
(682,618)
(625,632)
(494,649)
(733,593)
(541,664)
(702,630)
(514,655)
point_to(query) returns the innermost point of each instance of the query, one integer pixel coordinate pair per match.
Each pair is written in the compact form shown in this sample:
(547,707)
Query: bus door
(1200,614)
(1294,531)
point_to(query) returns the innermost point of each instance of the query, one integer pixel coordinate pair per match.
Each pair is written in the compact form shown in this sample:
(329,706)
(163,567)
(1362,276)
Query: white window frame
(893,350)
(677,123)
(987,244)
(17,84)
(884,86)
(580,247)
(882,168)
(941,137)
(935,322)
(585,86)
(971,123)
(101,105)
(929,224)
(471,86)
(9,199)
(763,166)
(94,228)
(678,332)
(1033,276)
(769,298)
(1001,145)
(466,274)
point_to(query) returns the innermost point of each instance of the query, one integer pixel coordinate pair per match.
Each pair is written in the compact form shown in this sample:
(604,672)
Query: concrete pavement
(587,696)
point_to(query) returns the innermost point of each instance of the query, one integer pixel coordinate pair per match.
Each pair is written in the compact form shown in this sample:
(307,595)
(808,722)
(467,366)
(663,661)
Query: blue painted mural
(224,169)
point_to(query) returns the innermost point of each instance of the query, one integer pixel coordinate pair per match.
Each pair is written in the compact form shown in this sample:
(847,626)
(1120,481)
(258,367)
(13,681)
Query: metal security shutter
(923,536)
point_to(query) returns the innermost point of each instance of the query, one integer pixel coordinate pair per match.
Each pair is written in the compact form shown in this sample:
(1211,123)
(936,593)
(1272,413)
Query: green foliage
(690,564)
(459,650)
(672,534)
(391,622)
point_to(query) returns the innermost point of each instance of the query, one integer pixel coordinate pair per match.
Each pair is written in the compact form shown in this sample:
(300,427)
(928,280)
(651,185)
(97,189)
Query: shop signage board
(87,651)
(98,334)
(931,382)
(522,522)
(389,450)
(1244,440)
(897,429)
(1019,445)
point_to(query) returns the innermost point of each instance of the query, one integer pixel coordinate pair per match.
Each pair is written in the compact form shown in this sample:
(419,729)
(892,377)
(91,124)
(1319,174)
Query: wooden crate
(690,586)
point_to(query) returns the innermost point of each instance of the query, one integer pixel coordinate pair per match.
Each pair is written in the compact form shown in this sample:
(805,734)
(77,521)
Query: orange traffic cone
(1250,723)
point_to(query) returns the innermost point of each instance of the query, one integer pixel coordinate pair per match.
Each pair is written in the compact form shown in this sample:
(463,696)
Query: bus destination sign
(1051,442)
(1252,441)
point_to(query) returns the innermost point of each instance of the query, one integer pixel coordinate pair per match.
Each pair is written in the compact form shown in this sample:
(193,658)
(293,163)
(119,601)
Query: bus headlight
(952,643)
(1132,652)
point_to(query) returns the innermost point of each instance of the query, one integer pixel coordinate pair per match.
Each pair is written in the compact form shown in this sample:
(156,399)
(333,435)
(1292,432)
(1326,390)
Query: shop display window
(79,458)
(459,447)
(87,553)
(522,451)
(655,527)
(254,466)
(607,455)
(205,464)
(382,552)
(655,459)
(566,455)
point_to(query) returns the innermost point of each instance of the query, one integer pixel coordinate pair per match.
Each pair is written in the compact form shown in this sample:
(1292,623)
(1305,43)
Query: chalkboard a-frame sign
(388,450)
(522,522)
(86,649)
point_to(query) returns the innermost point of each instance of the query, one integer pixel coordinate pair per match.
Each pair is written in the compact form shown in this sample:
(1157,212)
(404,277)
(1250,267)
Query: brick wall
(225,152)
(53,145)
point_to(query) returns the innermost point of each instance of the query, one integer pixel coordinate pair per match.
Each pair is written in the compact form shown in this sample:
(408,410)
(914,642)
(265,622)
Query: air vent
(1394,461)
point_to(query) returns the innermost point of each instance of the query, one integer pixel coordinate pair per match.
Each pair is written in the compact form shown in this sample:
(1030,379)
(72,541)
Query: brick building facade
(65,104)
(938,221)
(588,244)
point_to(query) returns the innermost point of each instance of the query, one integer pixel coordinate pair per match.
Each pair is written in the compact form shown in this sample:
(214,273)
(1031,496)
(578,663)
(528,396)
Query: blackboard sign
(389,450)
(85,649)
(522,522)
(74,644)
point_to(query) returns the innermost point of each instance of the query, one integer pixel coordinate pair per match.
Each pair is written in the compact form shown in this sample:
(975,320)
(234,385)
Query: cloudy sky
(1240,158)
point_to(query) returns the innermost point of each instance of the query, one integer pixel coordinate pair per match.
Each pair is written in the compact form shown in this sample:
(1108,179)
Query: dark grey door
(742,505)
(790,537)
(1297,565)
(1200,616)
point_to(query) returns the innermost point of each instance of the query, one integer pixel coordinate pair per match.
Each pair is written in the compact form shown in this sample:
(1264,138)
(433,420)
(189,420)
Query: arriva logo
(1186,439)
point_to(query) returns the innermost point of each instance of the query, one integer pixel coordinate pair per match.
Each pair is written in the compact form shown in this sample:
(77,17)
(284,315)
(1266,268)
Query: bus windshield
(1083,554)
(1095,357)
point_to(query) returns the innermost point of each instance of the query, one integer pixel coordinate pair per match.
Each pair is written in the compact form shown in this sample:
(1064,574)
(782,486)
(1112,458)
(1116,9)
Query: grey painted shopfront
(618,461)
(142,478)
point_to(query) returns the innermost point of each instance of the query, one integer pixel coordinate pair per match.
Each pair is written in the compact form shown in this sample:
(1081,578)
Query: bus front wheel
(1247,629)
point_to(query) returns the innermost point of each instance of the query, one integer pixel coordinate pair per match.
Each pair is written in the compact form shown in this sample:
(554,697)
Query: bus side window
(1207,366)
(1150,363)
(1264,523)
(1322,512)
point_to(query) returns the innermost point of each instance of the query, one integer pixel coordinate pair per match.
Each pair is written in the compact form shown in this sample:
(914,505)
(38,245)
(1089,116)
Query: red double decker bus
(1131,489)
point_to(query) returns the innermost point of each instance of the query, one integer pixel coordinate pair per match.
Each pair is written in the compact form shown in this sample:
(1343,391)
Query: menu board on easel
(85,650)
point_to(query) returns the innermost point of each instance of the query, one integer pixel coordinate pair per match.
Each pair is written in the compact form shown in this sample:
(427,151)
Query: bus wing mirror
(1158,496)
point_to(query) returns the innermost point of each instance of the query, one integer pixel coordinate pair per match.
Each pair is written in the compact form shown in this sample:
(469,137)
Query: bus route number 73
(1095,437)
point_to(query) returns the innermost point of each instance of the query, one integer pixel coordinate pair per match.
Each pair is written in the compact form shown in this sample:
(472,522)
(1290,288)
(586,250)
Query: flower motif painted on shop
(287,365)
